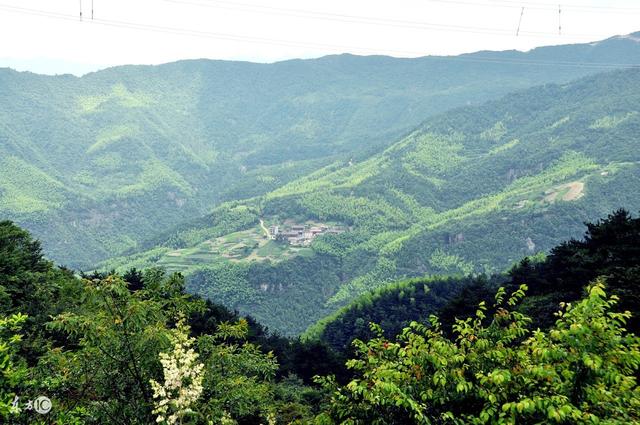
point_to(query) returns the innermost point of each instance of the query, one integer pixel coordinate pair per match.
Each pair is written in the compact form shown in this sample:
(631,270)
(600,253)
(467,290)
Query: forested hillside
(136,348)
(469,191)
(609,247)
(96,165)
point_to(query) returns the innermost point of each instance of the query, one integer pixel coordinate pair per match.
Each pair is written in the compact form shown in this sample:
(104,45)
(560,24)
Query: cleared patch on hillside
(559,123)
(566,192)
(611,121)
(111,135)
(118,93)
(505,147)
(156,174)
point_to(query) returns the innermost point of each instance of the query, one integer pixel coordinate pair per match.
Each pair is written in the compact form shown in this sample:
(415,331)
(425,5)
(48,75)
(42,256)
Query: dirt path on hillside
(266,231)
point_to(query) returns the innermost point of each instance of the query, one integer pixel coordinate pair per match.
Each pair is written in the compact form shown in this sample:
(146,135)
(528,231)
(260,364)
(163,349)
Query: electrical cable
(262,40)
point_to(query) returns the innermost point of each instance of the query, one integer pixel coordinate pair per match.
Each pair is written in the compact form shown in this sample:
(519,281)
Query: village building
(301,235)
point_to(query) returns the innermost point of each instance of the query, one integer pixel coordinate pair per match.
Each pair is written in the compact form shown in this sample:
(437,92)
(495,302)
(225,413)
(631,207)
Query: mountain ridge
(633,36)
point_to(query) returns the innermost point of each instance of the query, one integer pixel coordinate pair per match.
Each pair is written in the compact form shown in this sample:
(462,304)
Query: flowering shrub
(183,376)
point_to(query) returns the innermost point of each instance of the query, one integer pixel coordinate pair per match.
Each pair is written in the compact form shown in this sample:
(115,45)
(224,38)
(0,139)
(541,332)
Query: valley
(469,191)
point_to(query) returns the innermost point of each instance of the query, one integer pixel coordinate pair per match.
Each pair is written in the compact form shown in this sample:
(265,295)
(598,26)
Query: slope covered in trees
(136,349)
(96,165)
(494,358)
(469,191)
(608,249)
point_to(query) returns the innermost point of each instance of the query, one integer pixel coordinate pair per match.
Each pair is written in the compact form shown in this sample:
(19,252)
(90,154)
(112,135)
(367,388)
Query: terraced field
(246,245)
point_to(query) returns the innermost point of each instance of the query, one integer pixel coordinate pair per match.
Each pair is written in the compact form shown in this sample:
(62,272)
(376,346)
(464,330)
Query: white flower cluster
(182,379)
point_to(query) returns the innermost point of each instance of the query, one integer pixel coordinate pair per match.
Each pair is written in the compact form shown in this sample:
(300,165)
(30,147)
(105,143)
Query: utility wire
(338,17)
(261,40)
(223,4)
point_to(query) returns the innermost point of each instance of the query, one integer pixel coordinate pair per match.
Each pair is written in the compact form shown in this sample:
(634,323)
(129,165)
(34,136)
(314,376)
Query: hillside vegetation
(609,247)
(469,191)
(136,349)
(95,166)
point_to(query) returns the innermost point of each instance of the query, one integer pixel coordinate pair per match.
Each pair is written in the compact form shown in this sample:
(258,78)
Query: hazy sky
(47,35)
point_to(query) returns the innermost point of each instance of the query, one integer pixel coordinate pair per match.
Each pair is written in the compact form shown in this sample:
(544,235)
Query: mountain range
(98,166)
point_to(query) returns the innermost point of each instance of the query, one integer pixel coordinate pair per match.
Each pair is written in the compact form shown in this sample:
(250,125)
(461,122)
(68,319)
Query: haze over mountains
(117,156)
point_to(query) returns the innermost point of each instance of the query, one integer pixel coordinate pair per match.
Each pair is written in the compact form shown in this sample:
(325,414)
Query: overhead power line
(262,40)
(339,17)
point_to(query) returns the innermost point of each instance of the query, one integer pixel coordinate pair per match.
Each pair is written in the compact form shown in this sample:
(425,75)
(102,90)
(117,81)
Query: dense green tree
(119,336)
(609,248)
(31,285)
(122,337)
(13,368)
(392,307)
(497,370)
